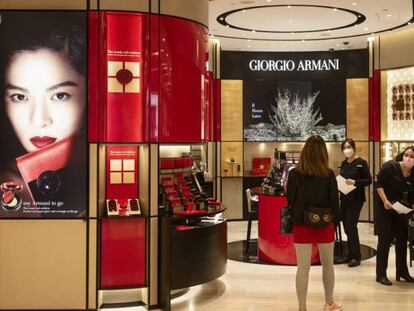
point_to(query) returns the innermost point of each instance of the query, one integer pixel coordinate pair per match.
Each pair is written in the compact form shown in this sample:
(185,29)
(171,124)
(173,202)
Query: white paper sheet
(342,186)
(400,208)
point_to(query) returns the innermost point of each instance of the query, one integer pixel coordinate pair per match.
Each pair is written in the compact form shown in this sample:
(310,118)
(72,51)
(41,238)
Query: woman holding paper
(355,170)
(395,184)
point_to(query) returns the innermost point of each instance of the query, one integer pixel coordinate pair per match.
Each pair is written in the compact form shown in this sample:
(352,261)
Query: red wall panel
(183,52)
(123,252)
(375,107)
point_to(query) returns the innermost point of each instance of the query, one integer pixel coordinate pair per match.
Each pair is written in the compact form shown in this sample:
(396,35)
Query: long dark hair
(314,158)
(61,32)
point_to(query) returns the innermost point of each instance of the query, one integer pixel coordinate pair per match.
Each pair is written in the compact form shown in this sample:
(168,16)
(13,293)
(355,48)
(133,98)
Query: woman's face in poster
(44,98)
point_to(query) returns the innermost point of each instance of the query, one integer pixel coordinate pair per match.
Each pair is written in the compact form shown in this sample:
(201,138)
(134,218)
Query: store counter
(273,246)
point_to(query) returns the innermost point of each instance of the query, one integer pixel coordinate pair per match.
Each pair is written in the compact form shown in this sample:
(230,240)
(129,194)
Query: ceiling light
(409,23)
(244,10)
(221,18)
(227,26)
(248,46)
(290,21)
(335,9)
(269,0)
(303,40)
(366,29)
(289,6)
(248,40)
(253,30)
(354,3)
(389,15)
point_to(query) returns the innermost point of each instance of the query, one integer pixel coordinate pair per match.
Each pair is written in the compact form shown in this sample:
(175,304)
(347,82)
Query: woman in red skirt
(312,183)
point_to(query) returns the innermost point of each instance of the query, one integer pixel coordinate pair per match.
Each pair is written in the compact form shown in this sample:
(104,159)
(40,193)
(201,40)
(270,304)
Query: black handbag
(286,223)
(314,216)
(317,217)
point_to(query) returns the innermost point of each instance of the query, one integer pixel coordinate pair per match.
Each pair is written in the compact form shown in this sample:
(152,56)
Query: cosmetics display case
(198,228)
(123,214)
(397,108)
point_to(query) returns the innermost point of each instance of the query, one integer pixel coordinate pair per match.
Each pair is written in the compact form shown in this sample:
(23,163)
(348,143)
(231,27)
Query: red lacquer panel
(217,105)
(123,252)
(273,246)
(375,107)
(183,52)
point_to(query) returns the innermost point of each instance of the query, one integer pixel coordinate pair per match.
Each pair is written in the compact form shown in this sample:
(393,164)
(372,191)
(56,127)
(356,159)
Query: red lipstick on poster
(43,141)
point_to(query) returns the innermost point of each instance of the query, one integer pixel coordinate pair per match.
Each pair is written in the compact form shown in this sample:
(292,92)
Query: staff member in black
(356,172)
(395,183)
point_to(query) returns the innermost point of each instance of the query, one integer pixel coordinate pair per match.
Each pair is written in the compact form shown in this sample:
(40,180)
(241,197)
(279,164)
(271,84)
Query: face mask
(408,162)
(348,152)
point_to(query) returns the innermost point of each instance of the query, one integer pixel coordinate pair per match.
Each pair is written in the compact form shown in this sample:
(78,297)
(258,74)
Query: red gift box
(261,166)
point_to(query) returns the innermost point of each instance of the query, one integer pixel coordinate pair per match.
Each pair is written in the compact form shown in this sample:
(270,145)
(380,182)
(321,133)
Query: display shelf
(198,213)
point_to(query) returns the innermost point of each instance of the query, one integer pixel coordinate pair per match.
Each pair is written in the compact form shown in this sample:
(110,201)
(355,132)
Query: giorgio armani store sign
(292,66)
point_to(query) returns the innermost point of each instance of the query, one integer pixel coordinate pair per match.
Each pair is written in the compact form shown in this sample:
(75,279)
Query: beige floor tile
(252,287)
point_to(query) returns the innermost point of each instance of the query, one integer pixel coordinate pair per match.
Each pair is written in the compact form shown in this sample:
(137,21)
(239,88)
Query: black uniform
(351,203)
(388,223)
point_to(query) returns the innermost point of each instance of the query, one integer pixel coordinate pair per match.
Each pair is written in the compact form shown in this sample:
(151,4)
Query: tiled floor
(252,287)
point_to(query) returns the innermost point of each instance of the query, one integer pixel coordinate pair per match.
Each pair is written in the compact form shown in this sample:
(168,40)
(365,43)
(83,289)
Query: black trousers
(391,225)
(350,212)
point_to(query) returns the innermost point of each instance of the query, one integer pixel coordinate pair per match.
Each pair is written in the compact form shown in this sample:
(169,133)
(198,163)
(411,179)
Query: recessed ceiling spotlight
(227,26)
(244,11)
(366,29)
(253,30)
(290,21)
(335,9)
(269,0)
(409,23)
(289,6)
(292,33)
(389,15)
(303,40)
(221,18)
(248,40)
(354,3)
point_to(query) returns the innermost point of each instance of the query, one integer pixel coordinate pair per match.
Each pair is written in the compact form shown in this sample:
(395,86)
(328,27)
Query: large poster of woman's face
(43,158)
